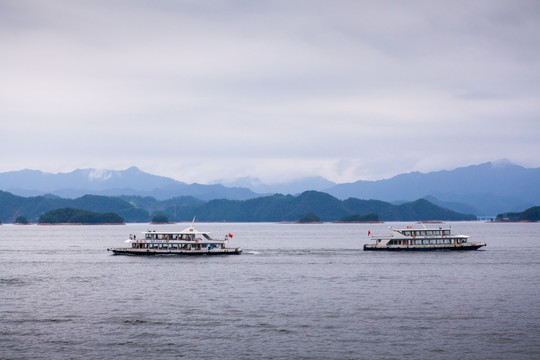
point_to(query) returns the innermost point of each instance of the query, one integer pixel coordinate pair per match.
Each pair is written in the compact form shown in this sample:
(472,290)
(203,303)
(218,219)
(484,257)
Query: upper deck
(184,236)
(424,233)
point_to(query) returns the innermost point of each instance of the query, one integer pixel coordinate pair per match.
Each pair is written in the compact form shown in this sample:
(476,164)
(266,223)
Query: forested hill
(263,209)
(33,207)
(530,215)
(328,208)
(78,216)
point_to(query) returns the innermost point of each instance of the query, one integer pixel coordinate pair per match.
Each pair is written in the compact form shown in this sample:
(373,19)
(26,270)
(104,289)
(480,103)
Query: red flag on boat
(230,235)
(368,232)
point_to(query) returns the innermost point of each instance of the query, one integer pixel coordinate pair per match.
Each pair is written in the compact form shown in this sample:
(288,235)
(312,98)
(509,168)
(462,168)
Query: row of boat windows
(186,237)
(176,246)
(427,242)
(426,232)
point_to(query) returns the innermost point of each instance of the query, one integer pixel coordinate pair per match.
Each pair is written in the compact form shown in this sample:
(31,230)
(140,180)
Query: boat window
(148,236)
(418,242)
(446,232)
(422,233)
(428,232)
(439,241)
(407,233)
(447,241)
(425,242)
(432,241)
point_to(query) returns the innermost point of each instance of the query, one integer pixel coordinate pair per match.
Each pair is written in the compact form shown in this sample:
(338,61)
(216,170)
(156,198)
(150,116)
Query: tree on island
(21,220)
(160,219)
(309,218)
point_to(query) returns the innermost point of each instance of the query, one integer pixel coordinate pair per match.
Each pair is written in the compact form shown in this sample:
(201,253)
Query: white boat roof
(410,228)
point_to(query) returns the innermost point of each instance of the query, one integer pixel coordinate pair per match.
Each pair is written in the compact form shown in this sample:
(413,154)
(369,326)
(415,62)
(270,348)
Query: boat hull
(463,247)
(151,252)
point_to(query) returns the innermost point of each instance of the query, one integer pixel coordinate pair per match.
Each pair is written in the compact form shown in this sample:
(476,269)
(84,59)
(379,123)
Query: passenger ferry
(410,239)
(186,242)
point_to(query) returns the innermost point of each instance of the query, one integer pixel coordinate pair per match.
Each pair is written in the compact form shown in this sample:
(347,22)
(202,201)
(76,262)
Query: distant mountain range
(484,190)
(131,181)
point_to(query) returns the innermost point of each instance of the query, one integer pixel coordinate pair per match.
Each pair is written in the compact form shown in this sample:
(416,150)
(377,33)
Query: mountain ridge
(131,181)
(491,188)
(485,189)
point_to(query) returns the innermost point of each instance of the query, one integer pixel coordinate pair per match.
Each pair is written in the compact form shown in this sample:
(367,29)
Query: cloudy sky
(206,90)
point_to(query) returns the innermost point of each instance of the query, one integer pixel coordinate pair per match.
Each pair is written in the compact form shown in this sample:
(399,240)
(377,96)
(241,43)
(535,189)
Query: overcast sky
(206,90)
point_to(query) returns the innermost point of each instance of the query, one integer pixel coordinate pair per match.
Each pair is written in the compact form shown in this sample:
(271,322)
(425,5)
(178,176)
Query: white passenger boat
(186,242)
(410,239)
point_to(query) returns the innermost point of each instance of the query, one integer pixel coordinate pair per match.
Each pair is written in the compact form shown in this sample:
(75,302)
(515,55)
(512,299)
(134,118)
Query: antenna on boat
(193,222)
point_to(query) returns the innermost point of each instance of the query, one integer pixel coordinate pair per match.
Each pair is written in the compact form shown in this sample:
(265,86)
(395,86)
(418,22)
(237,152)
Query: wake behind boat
(410,239)
(186,242)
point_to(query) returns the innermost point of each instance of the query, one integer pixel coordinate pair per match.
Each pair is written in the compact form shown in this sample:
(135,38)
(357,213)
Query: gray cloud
(205,90)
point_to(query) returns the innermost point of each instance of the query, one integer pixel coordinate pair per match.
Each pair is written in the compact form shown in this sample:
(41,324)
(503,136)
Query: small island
(21,220)
(79,216)
(160,219)
(309,218)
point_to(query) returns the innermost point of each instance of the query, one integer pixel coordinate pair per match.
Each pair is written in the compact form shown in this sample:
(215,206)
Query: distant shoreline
(513,221)
(357,222)
(49,224)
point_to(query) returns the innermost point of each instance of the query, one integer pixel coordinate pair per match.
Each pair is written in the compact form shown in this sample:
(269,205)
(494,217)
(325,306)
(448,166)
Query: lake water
(297,291)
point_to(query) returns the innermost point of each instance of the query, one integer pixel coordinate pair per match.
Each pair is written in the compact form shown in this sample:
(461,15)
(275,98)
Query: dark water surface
(297,291)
